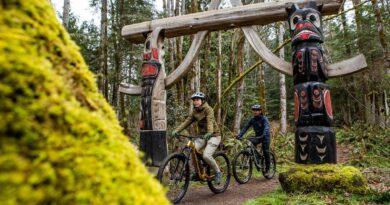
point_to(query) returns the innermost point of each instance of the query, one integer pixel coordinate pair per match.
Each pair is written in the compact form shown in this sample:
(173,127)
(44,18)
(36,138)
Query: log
(223,19)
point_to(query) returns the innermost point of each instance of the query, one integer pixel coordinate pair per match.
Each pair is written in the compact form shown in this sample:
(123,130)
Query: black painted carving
(314,138)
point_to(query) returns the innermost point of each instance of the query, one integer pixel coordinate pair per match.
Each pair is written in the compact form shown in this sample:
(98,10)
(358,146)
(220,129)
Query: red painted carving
(149,70)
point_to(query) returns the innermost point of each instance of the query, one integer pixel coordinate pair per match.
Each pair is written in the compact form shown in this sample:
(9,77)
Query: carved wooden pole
(315,141)
(153,121)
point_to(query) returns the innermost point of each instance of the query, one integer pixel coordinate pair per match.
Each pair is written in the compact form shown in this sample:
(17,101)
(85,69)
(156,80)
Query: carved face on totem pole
(306,36)
(315,140)
(306,23)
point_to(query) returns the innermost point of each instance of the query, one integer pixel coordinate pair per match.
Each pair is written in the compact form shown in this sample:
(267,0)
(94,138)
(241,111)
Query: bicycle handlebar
(191,137)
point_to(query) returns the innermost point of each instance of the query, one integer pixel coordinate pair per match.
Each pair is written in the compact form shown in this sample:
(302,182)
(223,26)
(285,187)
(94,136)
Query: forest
(233,76)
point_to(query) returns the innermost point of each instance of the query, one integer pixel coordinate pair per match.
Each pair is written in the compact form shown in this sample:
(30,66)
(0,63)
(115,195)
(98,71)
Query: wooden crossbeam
(223,19)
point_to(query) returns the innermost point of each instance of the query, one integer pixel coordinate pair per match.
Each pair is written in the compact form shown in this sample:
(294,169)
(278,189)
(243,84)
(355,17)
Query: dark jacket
(260,125)
(204,118)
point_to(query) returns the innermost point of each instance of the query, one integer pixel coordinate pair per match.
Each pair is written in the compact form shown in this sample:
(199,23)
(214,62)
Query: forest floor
(240,193)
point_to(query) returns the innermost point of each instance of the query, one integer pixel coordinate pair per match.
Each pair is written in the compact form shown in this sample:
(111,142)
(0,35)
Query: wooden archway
(153,137)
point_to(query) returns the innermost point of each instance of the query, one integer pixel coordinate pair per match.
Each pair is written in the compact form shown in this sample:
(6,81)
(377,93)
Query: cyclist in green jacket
(203,115)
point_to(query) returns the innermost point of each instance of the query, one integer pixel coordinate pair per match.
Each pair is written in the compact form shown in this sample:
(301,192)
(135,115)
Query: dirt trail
(235,194)
(239,193)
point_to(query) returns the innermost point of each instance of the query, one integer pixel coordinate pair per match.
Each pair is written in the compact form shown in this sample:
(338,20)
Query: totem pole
(153,122)
(315,141)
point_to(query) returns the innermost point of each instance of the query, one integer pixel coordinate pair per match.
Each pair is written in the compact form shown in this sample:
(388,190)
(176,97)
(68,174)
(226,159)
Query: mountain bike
(243,163)
(174,172)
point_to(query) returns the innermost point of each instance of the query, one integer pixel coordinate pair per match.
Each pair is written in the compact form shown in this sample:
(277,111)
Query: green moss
(60,142)
(325,177)
(280,197)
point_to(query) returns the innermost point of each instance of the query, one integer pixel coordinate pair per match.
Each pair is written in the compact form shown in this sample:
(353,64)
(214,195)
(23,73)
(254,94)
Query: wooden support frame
(223,19)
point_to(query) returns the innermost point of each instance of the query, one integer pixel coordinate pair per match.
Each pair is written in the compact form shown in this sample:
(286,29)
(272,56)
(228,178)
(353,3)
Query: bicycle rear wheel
(224,165)
(174,174)
(272,166)
(242,167)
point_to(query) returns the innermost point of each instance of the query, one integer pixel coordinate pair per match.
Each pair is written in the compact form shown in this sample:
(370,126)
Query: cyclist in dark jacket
(260,124)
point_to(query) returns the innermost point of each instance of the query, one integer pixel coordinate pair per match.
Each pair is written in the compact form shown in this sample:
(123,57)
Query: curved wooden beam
(265,54)
(347,67)
(130,89)
(188,61)
(191,55)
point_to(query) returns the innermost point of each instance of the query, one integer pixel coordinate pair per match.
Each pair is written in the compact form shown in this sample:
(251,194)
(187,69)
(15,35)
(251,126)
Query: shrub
(60,142)
(324,177)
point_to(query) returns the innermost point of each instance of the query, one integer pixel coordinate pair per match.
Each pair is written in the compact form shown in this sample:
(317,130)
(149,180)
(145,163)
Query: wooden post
(153,123)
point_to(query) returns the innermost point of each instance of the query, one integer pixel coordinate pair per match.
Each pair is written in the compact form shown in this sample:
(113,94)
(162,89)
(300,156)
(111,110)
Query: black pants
(265,146)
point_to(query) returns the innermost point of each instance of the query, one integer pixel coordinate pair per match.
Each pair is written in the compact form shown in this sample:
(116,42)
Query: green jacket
(204,118)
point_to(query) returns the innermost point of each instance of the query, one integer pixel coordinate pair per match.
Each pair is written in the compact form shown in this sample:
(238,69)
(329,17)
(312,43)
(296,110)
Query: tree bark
(240,84)
(387,112)
(381,120)
(219,77)
(282,87)
(116,13)
(65,13)
(262,98)
(103,81)
(205,66)
(365,73)
(382,34)
(122,111)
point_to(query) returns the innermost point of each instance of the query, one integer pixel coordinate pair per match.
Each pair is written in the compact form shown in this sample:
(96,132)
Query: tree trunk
(205,66)
(65,13)
(122,111)
(232,57)
(165,7)
(365,73)
(197,76)
(282,87)
(240,84)
(387,121)
(219,77)
(192,78)
(262,98)
(381,33)
(381,70)
(115,21)
(103,81)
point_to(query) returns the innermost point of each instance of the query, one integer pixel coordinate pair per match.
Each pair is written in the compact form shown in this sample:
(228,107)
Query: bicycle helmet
(256,107)
(198,95)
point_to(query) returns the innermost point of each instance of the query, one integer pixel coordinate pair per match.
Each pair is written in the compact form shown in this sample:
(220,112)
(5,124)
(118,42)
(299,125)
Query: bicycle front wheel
(272,167)
(242,167)
(174,173)
(224,165)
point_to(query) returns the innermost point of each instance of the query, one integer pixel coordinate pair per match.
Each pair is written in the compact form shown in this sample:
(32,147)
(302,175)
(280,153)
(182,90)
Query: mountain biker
(260,124)
(203,115)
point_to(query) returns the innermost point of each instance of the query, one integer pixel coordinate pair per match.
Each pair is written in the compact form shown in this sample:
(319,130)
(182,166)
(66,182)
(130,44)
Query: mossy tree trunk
(381,119)
(282,87)
(219,78)
(240,84)
(261,79)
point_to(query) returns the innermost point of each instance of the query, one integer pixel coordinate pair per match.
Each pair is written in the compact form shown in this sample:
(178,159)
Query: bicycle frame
(254,153)
(201,171)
